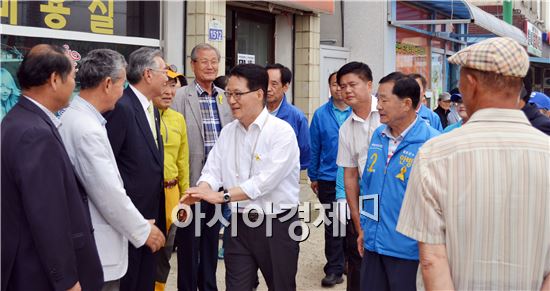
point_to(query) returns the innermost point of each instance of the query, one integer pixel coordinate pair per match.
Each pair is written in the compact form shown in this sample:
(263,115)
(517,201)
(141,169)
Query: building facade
(243,31)
(312,38)
(418,36)
(533,18)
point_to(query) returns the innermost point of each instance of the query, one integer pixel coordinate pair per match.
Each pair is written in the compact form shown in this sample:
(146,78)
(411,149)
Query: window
(412,53)
(405,11)
(15,47)
(250,37)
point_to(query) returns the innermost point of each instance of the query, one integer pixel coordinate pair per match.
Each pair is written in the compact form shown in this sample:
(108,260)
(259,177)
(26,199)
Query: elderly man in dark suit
(206,111)
(134,134)
(47,240)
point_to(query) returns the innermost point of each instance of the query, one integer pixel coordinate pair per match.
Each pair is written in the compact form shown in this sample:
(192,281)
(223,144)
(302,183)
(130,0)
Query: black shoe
(331,280)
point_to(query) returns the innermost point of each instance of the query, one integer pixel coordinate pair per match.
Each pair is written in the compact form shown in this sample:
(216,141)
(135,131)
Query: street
(310,262)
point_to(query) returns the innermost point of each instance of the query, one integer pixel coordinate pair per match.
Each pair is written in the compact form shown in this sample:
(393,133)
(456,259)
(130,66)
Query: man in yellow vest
(176,168)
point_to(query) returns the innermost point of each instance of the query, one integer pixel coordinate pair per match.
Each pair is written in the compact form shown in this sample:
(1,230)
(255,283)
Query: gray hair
(444,95)
(139,61)
(98,65)
(203,46)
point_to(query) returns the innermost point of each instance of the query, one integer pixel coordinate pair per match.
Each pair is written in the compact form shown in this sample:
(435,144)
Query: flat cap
(500,55)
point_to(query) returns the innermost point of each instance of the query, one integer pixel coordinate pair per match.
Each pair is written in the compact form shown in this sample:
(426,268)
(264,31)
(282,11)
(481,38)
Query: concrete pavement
(310,263)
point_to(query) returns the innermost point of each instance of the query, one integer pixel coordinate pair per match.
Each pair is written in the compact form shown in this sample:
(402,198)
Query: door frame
(334,52)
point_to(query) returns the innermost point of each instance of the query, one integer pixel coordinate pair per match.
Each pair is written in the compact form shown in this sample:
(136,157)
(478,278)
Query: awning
(461,10)
(540,60)
(299,7)
(322,6)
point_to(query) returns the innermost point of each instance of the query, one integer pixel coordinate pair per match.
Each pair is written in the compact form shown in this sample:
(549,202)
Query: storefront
(540,62)
(423,46)
(262,32)
(265,33)
(428,32)
(243,31)
(78,26)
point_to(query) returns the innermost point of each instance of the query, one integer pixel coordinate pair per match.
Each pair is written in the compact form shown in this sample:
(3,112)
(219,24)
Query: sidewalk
(310,262)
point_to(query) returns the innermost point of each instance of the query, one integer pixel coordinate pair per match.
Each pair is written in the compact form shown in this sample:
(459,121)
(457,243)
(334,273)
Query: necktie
(151,118)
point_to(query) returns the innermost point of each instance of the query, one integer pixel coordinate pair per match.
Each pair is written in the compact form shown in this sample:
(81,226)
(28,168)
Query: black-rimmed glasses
(238,95)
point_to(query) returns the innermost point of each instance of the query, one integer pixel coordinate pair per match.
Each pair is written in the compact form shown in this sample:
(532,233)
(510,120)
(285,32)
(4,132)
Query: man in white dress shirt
(114,217)
(256,161)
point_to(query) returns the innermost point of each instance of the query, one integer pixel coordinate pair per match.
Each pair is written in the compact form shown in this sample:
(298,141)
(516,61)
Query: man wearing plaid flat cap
(478,200)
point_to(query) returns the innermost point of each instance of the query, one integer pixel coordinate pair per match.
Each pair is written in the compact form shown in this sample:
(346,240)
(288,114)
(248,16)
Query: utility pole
(507,11)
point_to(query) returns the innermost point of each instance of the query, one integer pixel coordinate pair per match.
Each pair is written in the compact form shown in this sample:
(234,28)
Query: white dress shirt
(354,139)
(263,160)
(56,122)
(142,99)
(114,217)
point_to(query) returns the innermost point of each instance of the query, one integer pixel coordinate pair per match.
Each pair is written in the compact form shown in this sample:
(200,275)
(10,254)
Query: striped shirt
(395,141)
(210,117)
(483,190)
(55,119)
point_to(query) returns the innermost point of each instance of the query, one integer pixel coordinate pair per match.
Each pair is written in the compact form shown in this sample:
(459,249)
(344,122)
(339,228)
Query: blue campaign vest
(430,117)
(387,185)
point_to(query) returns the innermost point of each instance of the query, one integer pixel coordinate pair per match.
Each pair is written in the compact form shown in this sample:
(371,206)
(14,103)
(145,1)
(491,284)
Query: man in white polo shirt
(355,80)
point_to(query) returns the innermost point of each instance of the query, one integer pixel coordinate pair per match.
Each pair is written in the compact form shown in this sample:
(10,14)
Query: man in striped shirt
(479,196)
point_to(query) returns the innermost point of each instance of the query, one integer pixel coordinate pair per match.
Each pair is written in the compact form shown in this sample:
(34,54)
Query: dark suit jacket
(139,160)
(47,235)
(443,114)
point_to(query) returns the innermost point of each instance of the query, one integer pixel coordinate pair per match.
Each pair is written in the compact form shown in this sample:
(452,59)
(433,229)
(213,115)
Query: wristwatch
(226,196)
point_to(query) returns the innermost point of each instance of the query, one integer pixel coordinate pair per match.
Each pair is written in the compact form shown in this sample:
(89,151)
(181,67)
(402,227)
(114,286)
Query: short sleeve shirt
(483,191)
(354,139)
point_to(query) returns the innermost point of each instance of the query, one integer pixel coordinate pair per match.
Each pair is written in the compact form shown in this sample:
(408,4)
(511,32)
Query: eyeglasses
(238,95)
(158,70)
(204,62)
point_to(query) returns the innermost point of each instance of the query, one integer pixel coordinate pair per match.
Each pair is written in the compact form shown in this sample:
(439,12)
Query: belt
(254,215)
(171,183)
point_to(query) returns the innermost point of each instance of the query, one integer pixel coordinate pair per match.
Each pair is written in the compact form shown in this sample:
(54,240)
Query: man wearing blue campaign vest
(390,259)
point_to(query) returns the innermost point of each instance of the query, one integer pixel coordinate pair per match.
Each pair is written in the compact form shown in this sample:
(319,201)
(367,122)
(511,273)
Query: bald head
(47,75)
(40,63)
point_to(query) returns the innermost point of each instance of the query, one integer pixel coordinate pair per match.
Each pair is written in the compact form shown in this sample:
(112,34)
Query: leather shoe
(331,280)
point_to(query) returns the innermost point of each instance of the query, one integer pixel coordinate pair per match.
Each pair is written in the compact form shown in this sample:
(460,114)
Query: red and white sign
(534,39)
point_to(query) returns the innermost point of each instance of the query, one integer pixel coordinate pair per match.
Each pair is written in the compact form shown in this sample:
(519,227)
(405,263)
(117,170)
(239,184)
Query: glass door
(250,37)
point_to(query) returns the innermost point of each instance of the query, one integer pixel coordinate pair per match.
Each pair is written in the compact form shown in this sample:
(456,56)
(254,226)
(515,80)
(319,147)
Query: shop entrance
(250,37)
